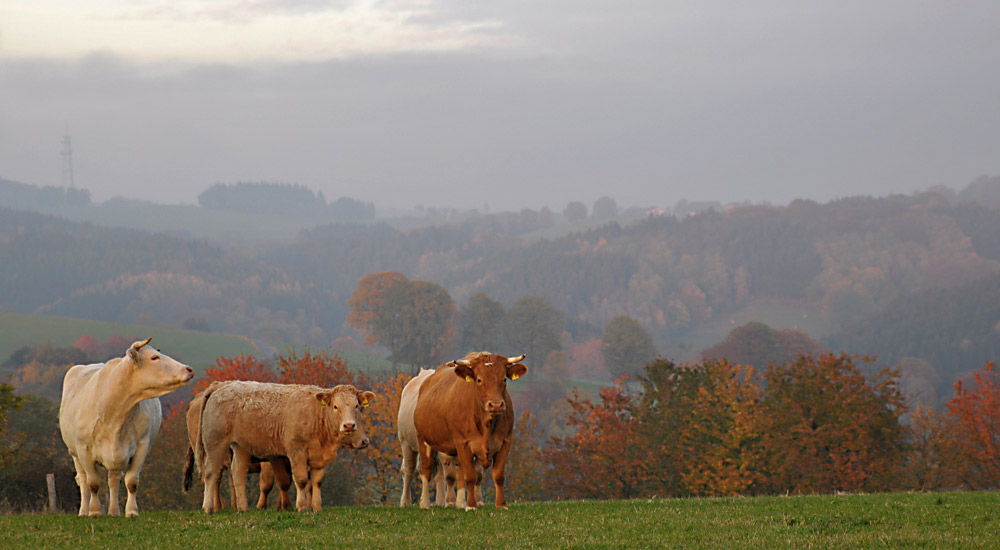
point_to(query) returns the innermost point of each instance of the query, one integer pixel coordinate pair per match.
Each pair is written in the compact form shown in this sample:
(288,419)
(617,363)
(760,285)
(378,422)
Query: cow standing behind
(275,468)
(406,431)
(464,409)
(307,424)
(110,415)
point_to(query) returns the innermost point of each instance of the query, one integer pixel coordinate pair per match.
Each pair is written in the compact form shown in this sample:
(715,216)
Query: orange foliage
(367,299)
(378,466)
(976,425)
(721,437)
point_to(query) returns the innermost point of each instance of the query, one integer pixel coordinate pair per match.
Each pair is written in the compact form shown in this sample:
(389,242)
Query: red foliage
(604,458)
(320,370)
(89,345)
(244,367)
(976,426)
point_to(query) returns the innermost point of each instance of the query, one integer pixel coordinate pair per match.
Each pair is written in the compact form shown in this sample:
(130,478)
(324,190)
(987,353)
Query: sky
(502,104)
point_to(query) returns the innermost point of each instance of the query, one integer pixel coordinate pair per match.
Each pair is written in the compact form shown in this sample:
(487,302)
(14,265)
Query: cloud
(240,31)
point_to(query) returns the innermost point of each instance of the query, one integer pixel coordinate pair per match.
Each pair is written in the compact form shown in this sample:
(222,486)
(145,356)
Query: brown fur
(466,411)
(306,424)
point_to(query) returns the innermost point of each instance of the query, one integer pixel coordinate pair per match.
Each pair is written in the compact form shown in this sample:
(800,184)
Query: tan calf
(306,424)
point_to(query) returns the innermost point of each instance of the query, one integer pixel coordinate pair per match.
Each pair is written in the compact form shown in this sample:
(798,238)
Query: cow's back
(261,417)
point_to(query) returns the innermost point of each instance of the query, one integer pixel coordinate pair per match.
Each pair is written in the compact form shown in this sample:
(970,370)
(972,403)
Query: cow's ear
(516,371)
(324,398)
(366,398)
(463,371)
(133,350)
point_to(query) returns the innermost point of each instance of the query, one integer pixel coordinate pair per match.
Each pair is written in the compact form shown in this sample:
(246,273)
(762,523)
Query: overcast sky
(505,103)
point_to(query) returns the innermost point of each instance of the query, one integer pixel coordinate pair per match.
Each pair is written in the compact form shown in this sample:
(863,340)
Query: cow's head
(344,405)
(490,372)
(153,373)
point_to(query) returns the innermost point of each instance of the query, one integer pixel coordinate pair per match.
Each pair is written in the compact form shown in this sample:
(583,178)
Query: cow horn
(464,362)
(138,345)
(516,359)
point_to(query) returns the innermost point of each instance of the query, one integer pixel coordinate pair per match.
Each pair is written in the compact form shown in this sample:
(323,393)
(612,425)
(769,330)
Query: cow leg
(300,474)
(280,468)
(215,461)
(427,464)
(81,482)
(91,486)
(114,481)
(407,468)
(499,461)
(266,483)
(132,478)
(238,477)
(316,479)
(439,481)
(467,479)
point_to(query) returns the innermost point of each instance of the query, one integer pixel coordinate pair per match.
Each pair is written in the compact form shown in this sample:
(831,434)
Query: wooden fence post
(50,480)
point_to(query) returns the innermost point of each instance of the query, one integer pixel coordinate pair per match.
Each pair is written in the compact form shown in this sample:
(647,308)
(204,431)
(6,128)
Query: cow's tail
(199,448)
(188,469)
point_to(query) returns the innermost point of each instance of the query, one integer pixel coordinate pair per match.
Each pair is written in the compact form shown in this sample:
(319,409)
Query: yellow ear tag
(514,377)
(364,402)
(468,379)
(323,402)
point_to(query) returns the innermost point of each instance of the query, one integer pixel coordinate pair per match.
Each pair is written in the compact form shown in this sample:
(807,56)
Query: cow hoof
(131,514)
(469,508)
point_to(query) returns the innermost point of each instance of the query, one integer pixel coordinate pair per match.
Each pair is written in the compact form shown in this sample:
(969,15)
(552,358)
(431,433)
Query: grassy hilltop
(901,520)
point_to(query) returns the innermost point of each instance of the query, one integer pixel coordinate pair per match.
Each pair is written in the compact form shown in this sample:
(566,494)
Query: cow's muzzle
(496,407)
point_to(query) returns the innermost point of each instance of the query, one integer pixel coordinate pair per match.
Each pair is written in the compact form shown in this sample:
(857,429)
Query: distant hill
(956,330)
(687,279)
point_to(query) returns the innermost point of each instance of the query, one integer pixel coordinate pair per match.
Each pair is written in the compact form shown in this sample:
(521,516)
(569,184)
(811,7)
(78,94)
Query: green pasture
(198,349)
(902,520)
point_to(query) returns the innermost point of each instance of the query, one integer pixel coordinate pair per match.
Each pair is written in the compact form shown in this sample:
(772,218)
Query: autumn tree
(533,327)
(415,323)
(626,346)
(481,321)
(320,370)
(722,438)
(756,344)
(243,367)
(412,319)
(976,426)
(524,469)
(830,427)
(377,467)
(603,458)
(664,411)
(368,299)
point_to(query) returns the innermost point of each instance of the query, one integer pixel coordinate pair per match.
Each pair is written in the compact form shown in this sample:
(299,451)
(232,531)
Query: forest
(726,308)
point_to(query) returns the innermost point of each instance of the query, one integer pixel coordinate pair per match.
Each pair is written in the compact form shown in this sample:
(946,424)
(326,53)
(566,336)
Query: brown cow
(464,409)
(269,470)
(307,424)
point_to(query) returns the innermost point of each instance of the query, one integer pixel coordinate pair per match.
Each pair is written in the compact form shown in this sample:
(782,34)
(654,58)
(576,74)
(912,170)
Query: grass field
(903,520)
(198,349)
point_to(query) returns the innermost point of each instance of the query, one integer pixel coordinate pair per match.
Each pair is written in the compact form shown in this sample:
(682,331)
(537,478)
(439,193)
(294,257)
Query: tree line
(816,424)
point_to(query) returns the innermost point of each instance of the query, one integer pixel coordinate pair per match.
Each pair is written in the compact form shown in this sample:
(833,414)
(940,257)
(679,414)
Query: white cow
(446,467)
(110,414)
